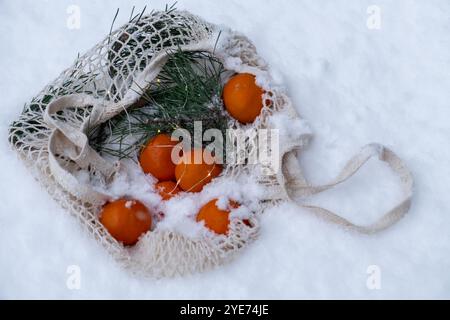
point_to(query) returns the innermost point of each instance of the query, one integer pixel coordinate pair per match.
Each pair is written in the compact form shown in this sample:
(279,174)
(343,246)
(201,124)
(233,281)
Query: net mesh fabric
(107,73)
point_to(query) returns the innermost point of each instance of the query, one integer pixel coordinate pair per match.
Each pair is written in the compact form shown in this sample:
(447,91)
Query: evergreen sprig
(187,89)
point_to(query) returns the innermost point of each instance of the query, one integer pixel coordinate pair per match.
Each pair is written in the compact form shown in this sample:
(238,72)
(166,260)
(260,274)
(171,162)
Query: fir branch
(187,89)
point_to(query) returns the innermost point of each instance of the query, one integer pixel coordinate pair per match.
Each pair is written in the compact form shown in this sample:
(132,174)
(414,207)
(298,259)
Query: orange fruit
(126,220)
(193,176)
(215,219)
(156,157)
(167,189)
(218,220)
(243,98)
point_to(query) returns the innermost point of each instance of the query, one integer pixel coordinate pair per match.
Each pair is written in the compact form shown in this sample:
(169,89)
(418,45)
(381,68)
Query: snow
(354,85)
(180,211)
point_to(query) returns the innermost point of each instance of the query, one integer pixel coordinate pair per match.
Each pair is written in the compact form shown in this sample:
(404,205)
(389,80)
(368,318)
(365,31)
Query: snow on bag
(52,138)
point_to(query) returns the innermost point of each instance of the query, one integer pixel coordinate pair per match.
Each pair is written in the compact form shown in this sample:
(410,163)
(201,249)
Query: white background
(353,84)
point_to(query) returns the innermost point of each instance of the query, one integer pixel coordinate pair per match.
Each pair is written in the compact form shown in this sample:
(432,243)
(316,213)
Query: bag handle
(71,141)
(297,187)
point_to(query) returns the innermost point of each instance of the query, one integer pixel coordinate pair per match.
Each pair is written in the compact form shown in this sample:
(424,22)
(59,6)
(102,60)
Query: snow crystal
(129,204)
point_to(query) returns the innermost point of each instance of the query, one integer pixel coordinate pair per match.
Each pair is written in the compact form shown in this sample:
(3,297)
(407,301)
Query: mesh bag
(51,138)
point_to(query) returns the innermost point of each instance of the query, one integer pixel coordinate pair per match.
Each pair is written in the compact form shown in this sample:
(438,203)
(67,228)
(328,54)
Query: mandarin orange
(242,97)
(197,168)
(167,189)
(215,219)
(126,220)
(156,157)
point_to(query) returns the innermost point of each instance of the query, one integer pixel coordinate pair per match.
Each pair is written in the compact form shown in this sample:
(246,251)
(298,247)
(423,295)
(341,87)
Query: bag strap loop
(297,187)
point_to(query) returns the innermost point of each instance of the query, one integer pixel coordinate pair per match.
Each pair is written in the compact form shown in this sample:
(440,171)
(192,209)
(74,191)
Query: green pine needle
(187,89)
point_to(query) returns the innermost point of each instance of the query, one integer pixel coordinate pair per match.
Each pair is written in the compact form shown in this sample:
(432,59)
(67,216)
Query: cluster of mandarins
(126,220)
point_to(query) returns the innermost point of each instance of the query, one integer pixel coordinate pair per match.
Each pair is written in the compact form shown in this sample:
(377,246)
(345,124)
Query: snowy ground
(354,84)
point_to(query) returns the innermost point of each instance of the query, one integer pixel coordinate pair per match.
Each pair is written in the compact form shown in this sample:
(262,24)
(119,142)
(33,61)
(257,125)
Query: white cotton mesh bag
(50,136)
